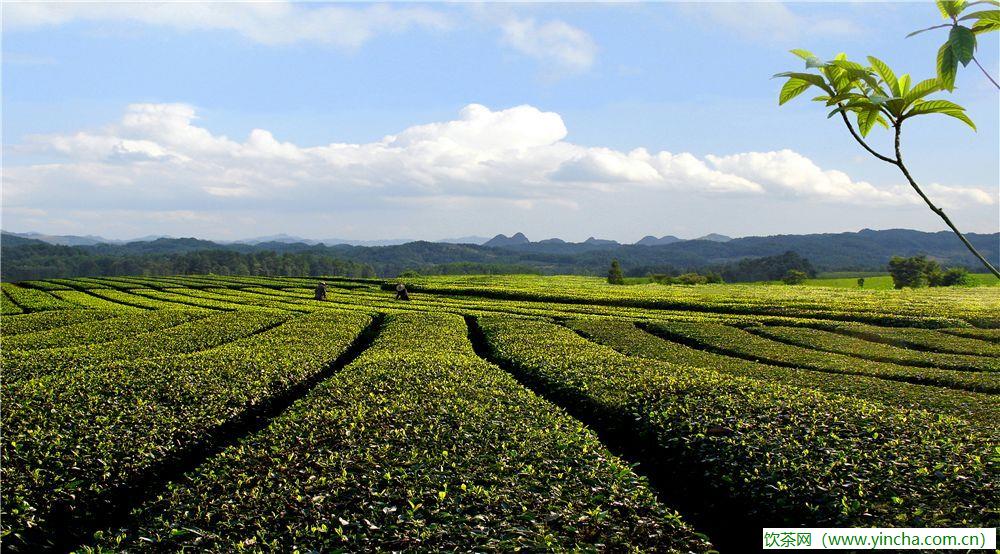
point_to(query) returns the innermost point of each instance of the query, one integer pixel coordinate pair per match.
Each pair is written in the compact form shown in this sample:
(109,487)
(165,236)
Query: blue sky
(235,120)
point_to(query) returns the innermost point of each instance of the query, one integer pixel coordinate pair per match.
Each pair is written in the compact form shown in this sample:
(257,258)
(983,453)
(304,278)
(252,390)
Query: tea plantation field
(488,413)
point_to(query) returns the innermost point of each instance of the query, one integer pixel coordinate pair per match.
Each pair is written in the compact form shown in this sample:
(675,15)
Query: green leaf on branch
(984,26)
(942,107)
(792,88)
(867,119)
(963,118)
(987,15)
(947,67)
(923,88)
(844,63)
(810,78)
(950,8)
(886,73)
(963,43)
(903,84)
(932,106)
(809,57)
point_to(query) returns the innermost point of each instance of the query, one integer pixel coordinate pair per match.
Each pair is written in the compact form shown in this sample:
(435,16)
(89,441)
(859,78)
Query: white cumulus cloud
(158,154)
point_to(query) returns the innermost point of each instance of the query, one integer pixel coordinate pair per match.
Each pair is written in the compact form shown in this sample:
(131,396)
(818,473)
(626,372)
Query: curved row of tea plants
(50,285)
(74,438)
(628,339)
(939,340)
(42,321)
(926,308)
(201,334)
(8,306)
(245,299)
(738,342)
(34,300)
(826,341)
(136,300)
(85,300)
(106,330)
(990,335)
(179,297)
(378,299)
(783,454)
(418,445)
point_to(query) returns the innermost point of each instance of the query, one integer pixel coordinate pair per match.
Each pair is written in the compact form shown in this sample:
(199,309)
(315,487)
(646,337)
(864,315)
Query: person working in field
(321,291)
(401,293)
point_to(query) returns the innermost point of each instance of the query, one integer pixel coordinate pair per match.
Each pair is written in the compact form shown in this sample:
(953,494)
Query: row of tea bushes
(248,299)
(84,300)
(949,341)
(137,300)
(201,334)
(837,343)
(782,454)
(738,342)
(419,445)
(180,299)
(73,439)
(34,300)
(990,335)
(42,321)
(628,339)
(923,309)
(105,330)
(7,306)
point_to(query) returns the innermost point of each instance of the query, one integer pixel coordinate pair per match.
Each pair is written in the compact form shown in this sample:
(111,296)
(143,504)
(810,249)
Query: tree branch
(935,209)
(861,141)
(985,73)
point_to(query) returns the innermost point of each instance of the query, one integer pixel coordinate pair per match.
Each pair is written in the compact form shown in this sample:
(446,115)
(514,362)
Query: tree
(918,271)
(955,276)
(794,277)
(876,96)
(767,268)
(961,44)
(615,276)
(908,272)
(861,282)
(691,279)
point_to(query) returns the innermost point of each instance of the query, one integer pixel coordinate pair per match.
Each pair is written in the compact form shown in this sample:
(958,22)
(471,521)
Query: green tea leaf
(987,15)
(947,67)
(904,84)
(886,73)
(923,88)
(792,88)
(963,44)
(950,8)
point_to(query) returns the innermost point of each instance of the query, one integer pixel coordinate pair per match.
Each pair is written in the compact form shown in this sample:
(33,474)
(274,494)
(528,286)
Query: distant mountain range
(76,240)
(866,250)
(283,238)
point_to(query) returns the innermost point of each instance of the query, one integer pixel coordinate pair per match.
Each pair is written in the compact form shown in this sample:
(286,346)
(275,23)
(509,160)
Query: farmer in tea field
(321,291)
(401,293)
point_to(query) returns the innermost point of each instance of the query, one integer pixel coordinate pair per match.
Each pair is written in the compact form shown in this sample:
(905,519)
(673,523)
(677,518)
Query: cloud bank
(158,155)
